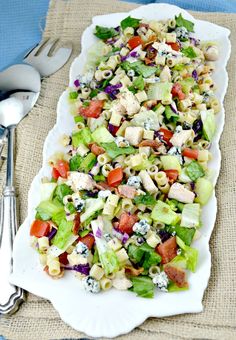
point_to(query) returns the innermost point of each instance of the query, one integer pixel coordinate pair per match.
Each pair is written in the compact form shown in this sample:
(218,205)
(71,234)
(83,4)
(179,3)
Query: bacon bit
(149,104)
(151,52)
(152,143)
(76,225)
(103,186)
(127,191)
(63,258)
(147,61)
(115,225)
(187,75)
(177,275)
(96,150)
(133,271)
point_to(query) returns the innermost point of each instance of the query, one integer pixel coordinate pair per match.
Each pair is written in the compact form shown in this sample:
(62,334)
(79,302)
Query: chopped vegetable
(105,33)
(129,22)
(194,170)
(93,110)
(39,228)
(114,151)
(142,286)
(114,177)
(181,22)
(134,42)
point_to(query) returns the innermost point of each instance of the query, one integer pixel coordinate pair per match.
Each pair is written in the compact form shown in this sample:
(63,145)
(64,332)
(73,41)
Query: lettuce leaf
(147,199)
(129,22)
(189,52)
(46,209)
(75,162)
(113,150)
(140,68)
(144,255)
(190,254)
(63,234)
(181,22)
(194,170)
(143,286)
(105,33)
(81,137)
(172,287)
(61,191)
(190,216)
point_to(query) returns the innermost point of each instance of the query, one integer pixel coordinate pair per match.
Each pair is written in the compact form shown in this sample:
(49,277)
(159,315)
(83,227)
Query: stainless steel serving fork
(46,58)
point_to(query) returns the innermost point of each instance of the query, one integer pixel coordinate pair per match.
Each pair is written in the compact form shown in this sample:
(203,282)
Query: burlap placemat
(37,319)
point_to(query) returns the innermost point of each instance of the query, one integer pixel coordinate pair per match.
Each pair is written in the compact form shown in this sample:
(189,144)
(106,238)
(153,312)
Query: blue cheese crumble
(176,151)
(181,33)
(90,284)
(141,227)
(161,280)
(104,194)
(134,181)
(121,142)
(79,204)
(82,249)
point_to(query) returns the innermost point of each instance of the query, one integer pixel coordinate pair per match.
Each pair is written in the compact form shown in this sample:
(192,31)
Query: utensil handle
(10,296)
(3,136)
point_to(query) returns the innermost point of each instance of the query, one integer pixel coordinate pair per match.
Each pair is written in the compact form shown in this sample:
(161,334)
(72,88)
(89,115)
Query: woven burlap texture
(37,319)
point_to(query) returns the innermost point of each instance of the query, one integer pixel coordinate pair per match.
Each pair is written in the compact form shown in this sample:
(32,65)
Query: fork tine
(49,47)
(36,49)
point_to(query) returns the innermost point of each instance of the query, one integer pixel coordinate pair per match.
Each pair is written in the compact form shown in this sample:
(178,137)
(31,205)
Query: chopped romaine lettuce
(81,137)
(162,212)
(190,215)
(203,189)
(102,135)
(209,124)
(170,115)
(172,287)
(46,209)
(63,234)
(73,95)
(129,22)
(139,83)
(105,33)
(99,178)
(87,163)
(146,118)
(189,52)
(147,199)
(186,234)
(187,84)
(139,67)
(61,191)
(190,254)
(142,286)
(160,91)
(181,22)
(114,151)
(78,119)
(47,190)
(179,261)
(75,162)
(194,170)
(144,255)
(92,205)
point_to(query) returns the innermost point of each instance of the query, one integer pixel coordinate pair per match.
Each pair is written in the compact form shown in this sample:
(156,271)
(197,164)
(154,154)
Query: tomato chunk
(166,134)
(134,42)
(190,153)
(177,91)
(126,223)
(115,177)
(62,167)
(177,275)
(93,110)
(55,173)
(167,250)
(172,174)
(174,46)
(39,228)
(88,240)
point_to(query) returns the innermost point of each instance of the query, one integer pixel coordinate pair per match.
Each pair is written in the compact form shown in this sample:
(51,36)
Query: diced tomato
(76,224)
(93,110)
(39,228)
(177,91)
(62,167)
(88,240)
(63,258)
(190,153)
(126,223)
(166,134)
(55,173)
(134,42)
(115,177)
(167,250)
(96,150)
(174,45)
(172,174)
(177,275)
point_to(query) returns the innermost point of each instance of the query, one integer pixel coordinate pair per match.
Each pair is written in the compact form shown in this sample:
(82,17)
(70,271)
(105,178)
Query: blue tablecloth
(21,20)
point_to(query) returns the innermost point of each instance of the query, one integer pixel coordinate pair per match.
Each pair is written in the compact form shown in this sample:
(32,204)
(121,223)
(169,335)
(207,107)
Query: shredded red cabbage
(173,108)
(77,83)
(52,233)
(195,75)
(125,238)
(112,90)
(81,268)
(98,233)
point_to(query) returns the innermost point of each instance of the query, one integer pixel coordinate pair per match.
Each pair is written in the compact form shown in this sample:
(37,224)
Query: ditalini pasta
(123,204)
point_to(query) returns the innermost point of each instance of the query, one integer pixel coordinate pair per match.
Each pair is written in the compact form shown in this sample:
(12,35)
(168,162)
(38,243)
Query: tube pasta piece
(153,271)
(148,182)
(102,96)
(152,171)
(165,75)
(96,272)
(106,168)
(129,171)
(106,74)
(53,266)
(103,159)
(43,259)
(105,283)
(85,93)
(43,243)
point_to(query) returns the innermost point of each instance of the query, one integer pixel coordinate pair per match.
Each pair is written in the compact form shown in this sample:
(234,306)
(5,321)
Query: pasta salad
(123,204)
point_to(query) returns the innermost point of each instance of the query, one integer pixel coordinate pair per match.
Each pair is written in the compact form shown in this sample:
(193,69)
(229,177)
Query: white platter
(115,312)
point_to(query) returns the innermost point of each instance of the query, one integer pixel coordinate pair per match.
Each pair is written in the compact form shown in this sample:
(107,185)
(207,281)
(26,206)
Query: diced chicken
(117,107)
(148,182)
(134,134)
(80,181)
(129,102)
(121,284)
(180,193)
(179,138)
(127,191)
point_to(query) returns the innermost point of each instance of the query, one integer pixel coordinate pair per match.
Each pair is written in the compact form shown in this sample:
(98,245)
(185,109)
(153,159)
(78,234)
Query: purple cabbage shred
(98,233)
(195,75)
(81,268)
(112,90)
(52,233)
(77,83)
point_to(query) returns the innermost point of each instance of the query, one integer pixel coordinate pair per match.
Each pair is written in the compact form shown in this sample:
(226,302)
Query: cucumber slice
(203,189)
